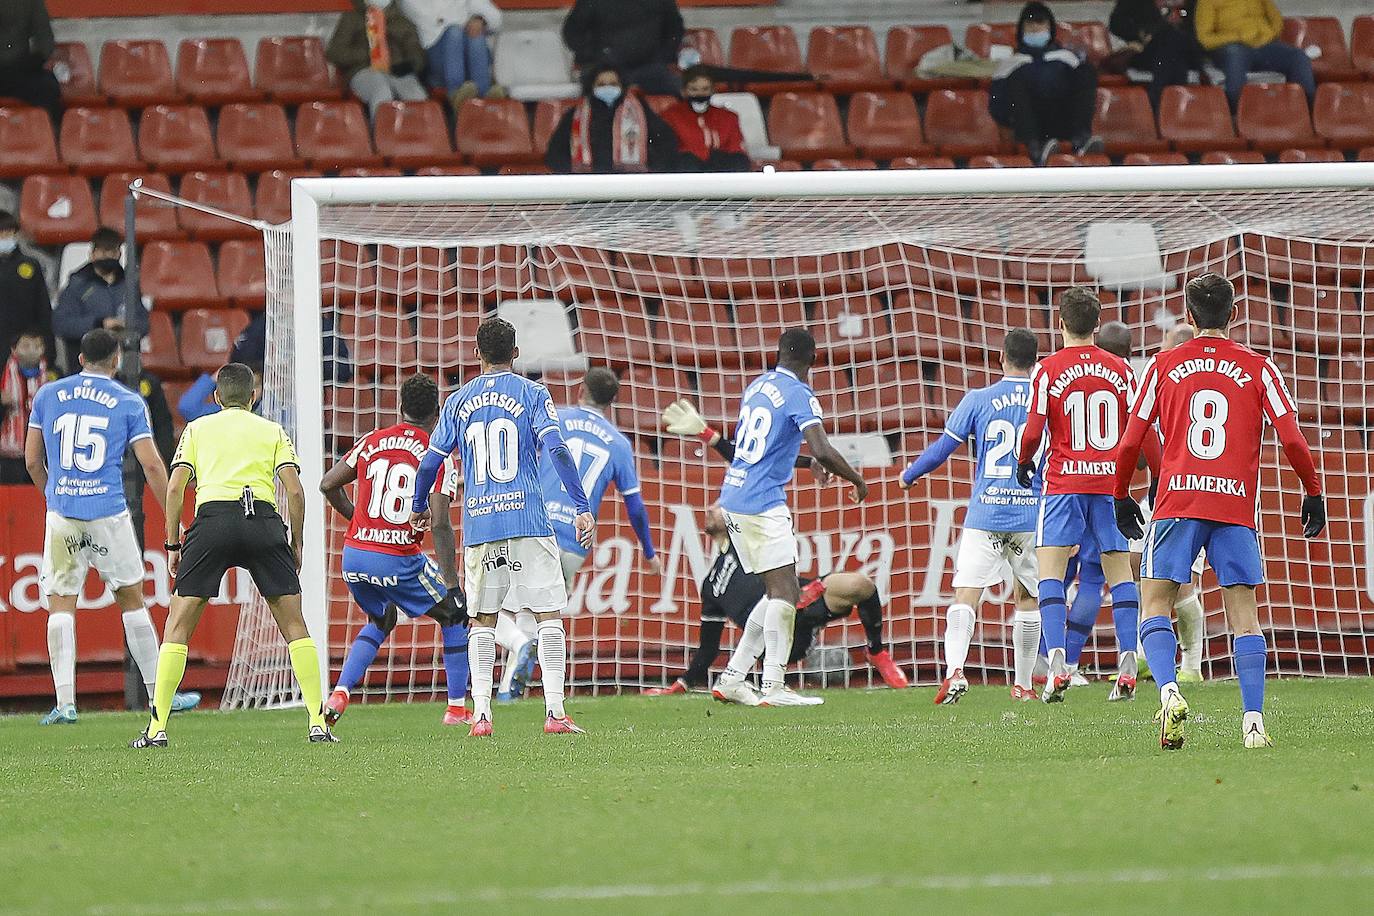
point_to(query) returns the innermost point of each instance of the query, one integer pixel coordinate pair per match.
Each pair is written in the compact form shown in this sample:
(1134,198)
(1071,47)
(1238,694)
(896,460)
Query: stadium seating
(1275,116)
(617,335)
(293,70)
(547,113)
(136,73)
(1068,160)
(706,43)
(692,334)
(1343,114)
(177,138)
(159,351)
(1362,45)
(416,275)
(242,274)
(1197,119)
(906,45)
(768,47)
(56,209)
(334,135)
(208,335)
(180,276)
(885,125)
(1091,38)
(154,220)
(446,336)
(214,71)
(1154,159)
(272,203)
(97,141)
(1005,161)
(843,165)
(411,134)
(495,132)
(851,330)
(806,126)
(1311,155)
(643,395)
(759,324)
(79,89)
(1232,157)
(959,126)
(227,191)
(27,144)
(1324,33)
(922,162)
(534,64)
(845,58)
(889,398)
(383,344)
(256,138)
(980,37)
(835,392)
(1126,122)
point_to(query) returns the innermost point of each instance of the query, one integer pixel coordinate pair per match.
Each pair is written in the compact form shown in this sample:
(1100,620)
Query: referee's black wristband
(171,548)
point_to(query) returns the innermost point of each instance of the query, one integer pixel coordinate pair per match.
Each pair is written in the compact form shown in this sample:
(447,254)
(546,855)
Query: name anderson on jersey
(495,399)
(1084,369)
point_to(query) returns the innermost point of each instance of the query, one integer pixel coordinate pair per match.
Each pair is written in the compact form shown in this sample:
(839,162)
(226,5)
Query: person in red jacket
(708,136)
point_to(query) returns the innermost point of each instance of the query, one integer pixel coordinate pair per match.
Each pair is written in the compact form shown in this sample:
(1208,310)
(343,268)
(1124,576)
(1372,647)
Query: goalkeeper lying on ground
(730,593)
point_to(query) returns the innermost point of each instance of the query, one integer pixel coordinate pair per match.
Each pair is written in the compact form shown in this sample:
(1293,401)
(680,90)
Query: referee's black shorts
(221,537)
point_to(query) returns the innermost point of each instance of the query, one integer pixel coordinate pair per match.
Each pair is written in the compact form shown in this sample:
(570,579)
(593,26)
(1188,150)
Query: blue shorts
(1172,544)
(376,580)
(1086,520)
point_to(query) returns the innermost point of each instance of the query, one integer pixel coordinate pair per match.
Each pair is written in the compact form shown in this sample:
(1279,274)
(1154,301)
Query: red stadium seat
(27,144)
(921,162)
(466,170)
(334,135)
(1311,155)
(1325,321)
(411,276)
(528,168)
(1195,119)
(1233,157)
(495,132)
(256,138)
(293,70)
(136,73)
(227,191)
(768,47)
(412,134)
(835,390)
(493,273)
(1366,154)
(928,323)
(176,138)
(1352,388)
(1068,160)
(1362,44)
(959,126)
(806,126)
(616,333)
(1275,116)
(845,58)
(843,165)
(692,334)
(159,351)
(1324,33)
(981,36)
(447,337)
(154,220)
(384,344)
(56,209)
(180,276)
(906,45)
(760,324)
(273,202)
(1343,114)
(243,273)
(1091,38)
(1155,159)
(214,71)
(890,397)
(547,114)
(208,335)
(706,43)
(1006,161)
(347,273)
(885,125)
(370,172)
(1126,122)
(72,60)
(645,392)
(97,141)
(851,330)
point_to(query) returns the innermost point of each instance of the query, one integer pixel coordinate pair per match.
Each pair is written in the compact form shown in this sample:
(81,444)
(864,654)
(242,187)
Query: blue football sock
(1161,648)
(1126,615)
(1083,612)
(1250,655)
(1053,613)
(456,662)
(361,655)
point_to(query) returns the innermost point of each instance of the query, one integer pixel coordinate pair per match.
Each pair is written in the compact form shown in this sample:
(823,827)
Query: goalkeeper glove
(1025,473)
(681,418)
(1129,519)
(1313,515)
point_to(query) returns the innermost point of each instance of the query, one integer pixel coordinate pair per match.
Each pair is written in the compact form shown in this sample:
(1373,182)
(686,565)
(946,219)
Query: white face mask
(608,94)
(7,245)
(700,105)
(379,4)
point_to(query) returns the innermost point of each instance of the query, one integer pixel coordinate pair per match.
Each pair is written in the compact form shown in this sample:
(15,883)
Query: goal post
(682,283)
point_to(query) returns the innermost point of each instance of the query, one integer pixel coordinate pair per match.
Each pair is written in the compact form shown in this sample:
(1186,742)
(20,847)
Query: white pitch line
(766,887)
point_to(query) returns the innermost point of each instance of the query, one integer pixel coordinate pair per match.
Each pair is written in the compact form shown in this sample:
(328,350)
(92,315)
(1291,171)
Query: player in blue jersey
(499,423)
(999,530)
(78,432)
(777,412)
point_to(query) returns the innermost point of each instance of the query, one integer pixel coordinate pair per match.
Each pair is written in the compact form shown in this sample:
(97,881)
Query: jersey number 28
(751,435)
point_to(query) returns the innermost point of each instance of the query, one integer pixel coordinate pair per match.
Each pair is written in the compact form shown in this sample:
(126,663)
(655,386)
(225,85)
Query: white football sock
(482,652)
(779,620)
(1191,629)
(1129,664)
(958,636)
(527,623)
(141,637)
(553,661)
(509,636)
(749,647)
(62,656)
(1025,641)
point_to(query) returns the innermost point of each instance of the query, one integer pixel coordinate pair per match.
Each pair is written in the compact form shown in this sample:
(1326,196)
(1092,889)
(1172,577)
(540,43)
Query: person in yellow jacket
(1243,35)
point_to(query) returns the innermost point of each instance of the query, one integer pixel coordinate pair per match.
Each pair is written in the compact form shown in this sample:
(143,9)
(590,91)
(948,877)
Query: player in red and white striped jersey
(1211,398)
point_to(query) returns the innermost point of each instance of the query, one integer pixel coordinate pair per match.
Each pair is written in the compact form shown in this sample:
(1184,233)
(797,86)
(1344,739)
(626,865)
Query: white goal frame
(308,195)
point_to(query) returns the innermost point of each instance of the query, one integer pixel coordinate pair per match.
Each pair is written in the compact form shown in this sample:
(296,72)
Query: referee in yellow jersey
(235,458)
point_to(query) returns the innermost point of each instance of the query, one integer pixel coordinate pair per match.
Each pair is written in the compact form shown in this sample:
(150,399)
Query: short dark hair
(420,398)
(7,222)
(1021,348)
(1115,337)
(496,341)
(99,346)
(797,346)
(1080,311)
(234,384)
(696,72)
(591,73)
(106,238)
(1211,297)
(601,385)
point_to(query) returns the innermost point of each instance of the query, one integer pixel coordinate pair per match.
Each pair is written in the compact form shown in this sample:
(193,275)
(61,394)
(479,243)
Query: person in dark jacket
(1155,44)
(610,130)
(26,43)
(1045,92)
(708,136)
(94,297)
(378,51)
(24,302)
(640,38)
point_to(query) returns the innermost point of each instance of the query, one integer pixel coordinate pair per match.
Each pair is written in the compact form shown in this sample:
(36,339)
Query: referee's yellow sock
(305,661)
(171,667)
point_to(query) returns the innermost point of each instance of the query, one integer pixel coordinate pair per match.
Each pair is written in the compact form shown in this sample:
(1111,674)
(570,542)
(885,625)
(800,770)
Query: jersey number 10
(495,450)
(1093,420)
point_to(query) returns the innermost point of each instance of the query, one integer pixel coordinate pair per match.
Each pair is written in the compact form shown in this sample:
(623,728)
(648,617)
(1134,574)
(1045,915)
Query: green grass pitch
(877,802)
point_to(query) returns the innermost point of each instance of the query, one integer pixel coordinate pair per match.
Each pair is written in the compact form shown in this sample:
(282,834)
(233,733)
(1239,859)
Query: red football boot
(480,729)
(677,686)
(458,715)
(891,674)
(952,688)
(334,707)
(1023,694)
(564,726)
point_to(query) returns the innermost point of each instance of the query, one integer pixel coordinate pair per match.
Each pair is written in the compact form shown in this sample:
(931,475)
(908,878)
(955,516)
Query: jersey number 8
(1207,413)
(495,450)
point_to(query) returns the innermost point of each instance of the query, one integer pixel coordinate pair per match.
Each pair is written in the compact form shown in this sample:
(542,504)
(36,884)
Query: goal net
(909,281)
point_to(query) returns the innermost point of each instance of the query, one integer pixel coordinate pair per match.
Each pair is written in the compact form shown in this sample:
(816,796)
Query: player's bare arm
(332,486)
(445,539)
(833,461)
(295,507)
(154,471)
(36,458)
(173,503)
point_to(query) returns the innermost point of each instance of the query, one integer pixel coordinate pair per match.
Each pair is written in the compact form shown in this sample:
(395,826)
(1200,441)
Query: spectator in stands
(94,297)
(26,43)
(1243,35)
(26,370)
(708,136)
(1153,43)
(378,51)
(1045,92)
(251,348)
(24,302)
(641,38)
(610,130)
(455,35)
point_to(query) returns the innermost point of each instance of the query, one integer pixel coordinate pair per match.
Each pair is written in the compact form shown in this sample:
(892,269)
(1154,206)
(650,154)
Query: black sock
(871,616)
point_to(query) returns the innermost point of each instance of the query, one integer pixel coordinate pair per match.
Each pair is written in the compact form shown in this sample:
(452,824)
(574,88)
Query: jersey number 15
(81,441)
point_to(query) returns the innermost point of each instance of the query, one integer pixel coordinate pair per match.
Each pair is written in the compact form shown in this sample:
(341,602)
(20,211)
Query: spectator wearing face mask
(24,302)
(95,297)
(708,136)
(610,131)
(1045,92)
(25,371)
(378,51)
